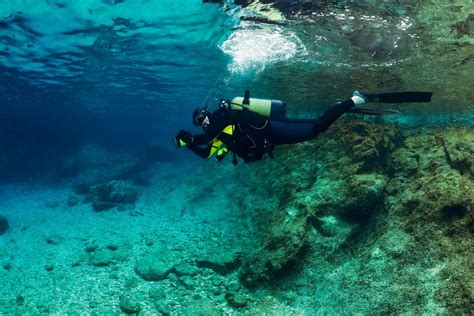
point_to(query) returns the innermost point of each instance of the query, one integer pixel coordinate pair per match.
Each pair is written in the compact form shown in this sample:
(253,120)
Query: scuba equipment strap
(399,97)
(245,102)
(246,98)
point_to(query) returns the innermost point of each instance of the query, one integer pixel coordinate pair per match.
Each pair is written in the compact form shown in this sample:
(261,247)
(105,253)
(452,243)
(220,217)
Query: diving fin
(371,111)
(399,97)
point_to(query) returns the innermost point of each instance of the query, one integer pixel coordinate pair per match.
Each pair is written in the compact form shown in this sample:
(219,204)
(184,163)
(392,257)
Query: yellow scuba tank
(264,107)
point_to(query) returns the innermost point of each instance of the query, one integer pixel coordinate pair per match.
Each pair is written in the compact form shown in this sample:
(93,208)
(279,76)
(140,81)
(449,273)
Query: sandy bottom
(49,254)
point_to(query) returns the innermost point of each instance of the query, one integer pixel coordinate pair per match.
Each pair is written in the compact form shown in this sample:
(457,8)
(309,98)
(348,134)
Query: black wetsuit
(255,135)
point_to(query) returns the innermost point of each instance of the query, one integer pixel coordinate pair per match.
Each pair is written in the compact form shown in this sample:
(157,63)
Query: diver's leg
(291,131)
(331,115)
(336,111)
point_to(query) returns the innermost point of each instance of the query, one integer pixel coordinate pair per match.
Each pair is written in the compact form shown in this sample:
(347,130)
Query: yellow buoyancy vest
(217,145)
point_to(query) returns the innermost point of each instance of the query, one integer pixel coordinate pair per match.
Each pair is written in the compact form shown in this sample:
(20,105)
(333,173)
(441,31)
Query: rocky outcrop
(282,246)
(368,144)
(431,198)
(331,183)
(155,266)
(400,204)
(115,193)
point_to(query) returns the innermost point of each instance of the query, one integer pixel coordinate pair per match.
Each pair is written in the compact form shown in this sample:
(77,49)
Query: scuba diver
(250,127)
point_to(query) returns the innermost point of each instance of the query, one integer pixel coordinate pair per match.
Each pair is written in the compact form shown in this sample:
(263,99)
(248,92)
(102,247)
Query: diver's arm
(202,152)
(204,138)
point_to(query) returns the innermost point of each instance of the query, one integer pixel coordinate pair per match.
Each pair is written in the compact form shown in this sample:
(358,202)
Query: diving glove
(183,138)
(179,142)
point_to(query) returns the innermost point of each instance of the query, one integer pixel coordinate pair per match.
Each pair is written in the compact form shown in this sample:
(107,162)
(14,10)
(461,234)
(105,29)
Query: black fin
(399,97)
(371,111)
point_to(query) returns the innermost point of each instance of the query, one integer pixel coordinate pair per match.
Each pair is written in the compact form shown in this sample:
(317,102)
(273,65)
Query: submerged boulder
(223,262)
(111,194)
(130,304)
(282,245)
(368,144)
(364,195)
(4,225)
(155,266)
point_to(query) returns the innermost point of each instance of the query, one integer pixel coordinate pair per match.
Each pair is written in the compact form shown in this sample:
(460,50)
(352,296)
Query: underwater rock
(184,268)
(4,225)
(282,244)
(187,282)
(81,189)
(364,195)
(458,147)
(7,266)
(54,239)
(163,308)
(434,206)
(49,267)
(111,194)
(73,200)
(101,258)
(233,286)
(236,300)
(112,247)
(155,266)
(20,300)
(91,246)
(223,262)
(367,143)
(130,304)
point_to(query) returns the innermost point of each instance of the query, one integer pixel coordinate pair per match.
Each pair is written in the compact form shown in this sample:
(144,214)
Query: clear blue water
(121,75)
(129,73)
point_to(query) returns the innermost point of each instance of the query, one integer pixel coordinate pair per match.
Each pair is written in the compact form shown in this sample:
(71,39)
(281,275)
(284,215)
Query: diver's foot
(358,98)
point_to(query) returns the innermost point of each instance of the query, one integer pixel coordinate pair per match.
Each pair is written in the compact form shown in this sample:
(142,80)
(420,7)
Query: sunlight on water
(55,39)
(253,50)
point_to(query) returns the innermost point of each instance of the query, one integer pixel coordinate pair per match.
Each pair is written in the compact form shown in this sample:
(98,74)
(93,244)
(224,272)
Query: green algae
(412,214)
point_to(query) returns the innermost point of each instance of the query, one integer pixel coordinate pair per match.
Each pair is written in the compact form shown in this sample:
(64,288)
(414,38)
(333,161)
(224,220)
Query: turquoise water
(106,216)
